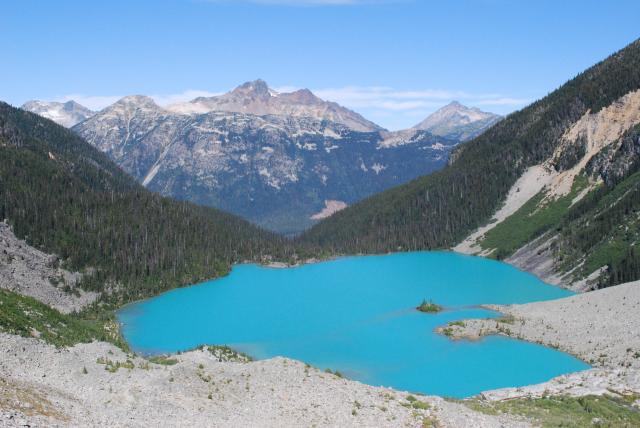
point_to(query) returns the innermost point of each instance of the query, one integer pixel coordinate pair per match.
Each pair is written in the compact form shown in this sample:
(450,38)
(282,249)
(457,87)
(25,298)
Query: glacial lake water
(357,315)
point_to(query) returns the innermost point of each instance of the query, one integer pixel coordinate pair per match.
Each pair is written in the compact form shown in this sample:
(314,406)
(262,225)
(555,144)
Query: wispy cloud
(187,95)
(99,102)
(387,98)
(397,109)
(93,102)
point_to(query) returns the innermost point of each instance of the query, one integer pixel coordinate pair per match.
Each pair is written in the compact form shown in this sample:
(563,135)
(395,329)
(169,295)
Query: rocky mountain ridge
(257,98)
(276,170)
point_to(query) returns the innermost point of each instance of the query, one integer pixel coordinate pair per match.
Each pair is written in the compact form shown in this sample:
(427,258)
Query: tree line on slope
(64,197)
(603,229)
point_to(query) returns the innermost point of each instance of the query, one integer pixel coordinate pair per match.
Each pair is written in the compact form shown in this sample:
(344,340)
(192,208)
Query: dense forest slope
(65,197)
(577,147)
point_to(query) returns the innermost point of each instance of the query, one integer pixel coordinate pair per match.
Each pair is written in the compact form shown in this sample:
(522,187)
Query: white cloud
(388,98)
(397,109)
(187,95)
(90,101)
(99,102)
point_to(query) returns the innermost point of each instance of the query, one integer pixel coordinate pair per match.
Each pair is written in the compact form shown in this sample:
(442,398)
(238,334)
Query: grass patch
(25,316)
(506,319)
(568,412)
(163,360)
(529,222)
(225,353)
(113,366)
(429,307)
(334,372)
(447,331)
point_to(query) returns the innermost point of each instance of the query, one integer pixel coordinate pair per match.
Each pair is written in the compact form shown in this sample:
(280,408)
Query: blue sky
(394,61)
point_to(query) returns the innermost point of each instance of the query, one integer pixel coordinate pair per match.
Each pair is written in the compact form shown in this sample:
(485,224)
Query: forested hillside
(439,210)
(65,197)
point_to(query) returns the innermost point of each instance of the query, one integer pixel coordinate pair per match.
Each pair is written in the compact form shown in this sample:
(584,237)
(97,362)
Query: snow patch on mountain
(66,114)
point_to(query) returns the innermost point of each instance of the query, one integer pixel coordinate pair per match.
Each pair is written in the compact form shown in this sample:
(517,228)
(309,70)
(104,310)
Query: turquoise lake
(357,315)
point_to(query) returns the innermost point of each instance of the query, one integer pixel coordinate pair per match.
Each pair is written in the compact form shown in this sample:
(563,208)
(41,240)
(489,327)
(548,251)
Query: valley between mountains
(138,199)
(277,159)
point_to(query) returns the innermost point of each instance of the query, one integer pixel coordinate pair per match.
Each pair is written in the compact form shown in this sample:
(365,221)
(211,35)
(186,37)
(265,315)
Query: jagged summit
(257,88)
(458,121)
(256,97)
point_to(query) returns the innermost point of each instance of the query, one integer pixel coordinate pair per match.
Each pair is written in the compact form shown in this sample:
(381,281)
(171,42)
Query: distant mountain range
(281,160)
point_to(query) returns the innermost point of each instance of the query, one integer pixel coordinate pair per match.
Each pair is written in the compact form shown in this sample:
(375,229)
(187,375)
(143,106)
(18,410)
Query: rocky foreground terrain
(97,384)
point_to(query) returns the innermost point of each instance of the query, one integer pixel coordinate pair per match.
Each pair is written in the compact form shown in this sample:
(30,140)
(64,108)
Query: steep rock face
(275,169)
(65,114)
(583,200)
(458,122)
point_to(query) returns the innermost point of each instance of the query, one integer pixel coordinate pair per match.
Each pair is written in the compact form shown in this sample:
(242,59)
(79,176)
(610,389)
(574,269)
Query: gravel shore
(85,386)
(601,328)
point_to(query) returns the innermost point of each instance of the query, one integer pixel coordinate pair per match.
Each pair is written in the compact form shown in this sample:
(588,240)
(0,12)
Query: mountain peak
(255,97)
(458,121)
(304,96)
(136,101)
(256,87)
(66,114)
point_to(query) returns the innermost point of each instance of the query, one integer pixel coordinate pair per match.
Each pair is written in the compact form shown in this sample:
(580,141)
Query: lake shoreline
(61,387)
(601,328)
(361,292)
(520,261)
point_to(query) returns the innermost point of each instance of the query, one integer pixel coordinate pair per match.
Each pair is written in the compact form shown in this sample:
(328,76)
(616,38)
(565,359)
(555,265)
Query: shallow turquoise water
(357,315)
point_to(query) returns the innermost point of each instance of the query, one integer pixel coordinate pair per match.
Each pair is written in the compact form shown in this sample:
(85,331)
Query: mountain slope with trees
(65,197)
(440,210)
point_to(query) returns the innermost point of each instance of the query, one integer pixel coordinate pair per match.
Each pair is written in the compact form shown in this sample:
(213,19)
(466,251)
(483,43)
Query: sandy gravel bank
(600,327)
(44,386)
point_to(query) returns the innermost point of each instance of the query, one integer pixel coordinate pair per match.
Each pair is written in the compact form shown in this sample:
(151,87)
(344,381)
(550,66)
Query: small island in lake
(429,307)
